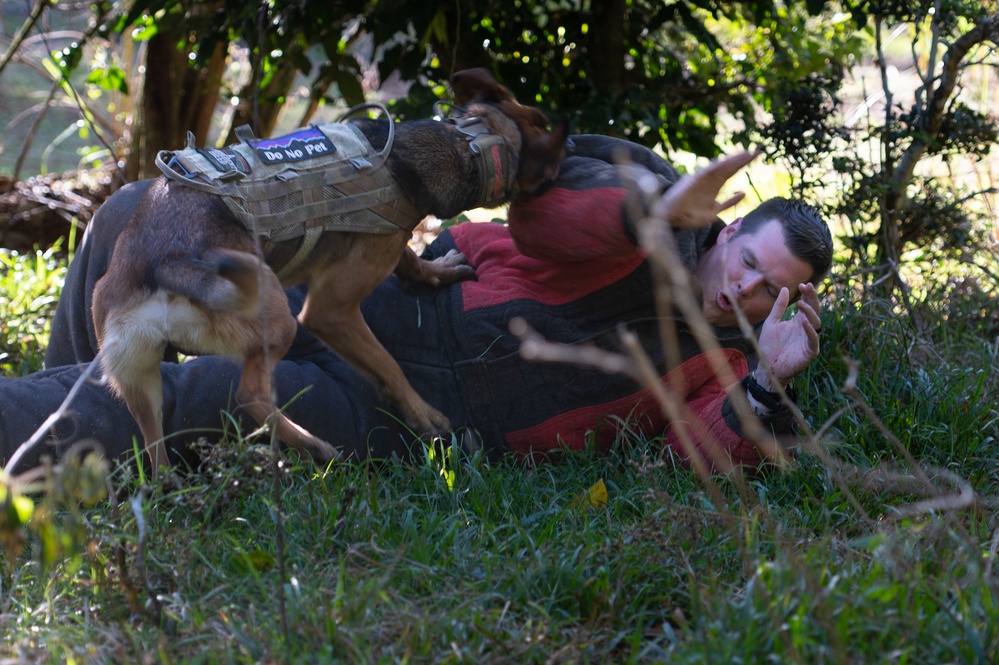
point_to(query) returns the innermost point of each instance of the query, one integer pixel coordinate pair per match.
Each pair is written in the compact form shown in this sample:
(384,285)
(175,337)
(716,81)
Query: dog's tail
(225,280)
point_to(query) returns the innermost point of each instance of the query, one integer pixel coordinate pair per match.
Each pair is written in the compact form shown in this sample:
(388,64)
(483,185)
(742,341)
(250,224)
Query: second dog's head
(542,148)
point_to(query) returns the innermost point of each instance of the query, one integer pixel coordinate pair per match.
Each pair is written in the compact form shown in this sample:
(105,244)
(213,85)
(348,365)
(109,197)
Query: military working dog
(186,273)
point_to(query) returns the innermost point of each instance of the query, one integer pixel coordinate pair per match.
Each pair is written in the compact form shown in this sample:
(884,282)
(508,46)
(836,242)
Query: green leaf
(145,30)
(68,58)
(109,78)
(17,508)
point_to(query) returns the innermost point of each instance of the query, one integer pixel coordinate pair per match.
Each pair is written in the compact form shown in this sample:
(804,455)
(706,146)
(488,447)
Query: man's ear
(729,230)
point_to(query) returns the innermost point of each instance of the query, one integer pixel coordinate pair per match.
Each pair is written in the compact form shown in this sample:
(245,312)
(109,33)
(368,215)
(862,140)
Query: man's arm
(723,437)
(591,210)
(587,213)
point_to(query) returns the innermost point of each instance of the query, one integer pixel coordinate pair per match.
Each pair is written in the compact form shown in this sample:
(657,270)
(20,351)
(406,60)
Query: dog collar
(494,161)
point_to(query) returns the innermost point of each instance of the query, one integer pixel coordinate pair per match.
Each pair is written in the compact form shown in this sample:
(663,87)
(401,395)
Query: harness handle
(188,181)
(383,154)
(245,134)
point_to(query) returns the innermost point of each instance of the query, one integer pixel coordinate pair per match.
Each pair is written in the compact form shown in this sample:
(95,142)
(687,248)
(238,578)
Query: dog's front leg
(346,332)
(448,269)
(333,312)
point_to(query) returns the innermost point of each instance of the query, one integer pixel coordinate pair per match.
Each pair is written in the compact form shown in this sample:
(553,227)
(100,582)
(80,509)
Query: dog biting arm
(587,213)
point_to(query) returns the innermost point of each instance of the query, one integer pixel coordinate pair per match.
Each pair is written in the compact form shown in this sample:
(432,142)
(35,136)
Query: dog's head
(541,148)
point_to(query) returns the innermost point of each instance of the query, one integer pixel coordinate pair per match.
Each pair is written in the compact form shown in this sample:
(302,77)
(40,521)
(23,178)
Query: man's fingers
(729,166)
(731,201)
(690,202)
(810,314)
(780,306)
(812,333)
(809,294)
(810,300)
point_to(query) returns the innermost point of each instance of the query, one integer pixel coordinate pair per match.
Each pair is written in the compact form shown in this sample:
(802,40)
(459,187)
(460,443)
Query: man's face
(748,270)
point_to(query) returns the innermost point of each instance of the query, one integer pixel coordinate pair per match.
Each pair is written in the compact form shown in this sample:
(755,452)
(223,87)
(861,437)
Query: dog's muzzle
(494,161)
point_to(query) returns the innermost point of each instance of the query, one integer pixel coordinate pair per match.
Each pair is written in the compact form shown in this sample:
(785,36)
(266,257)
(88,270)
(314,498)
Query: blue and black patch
(294,147)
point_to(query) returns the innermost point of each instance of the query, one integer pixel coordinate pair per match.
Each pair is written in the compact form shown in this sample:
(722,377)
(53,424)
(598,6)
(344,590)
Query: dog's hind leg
(130,358)
(255,393)
(145,403)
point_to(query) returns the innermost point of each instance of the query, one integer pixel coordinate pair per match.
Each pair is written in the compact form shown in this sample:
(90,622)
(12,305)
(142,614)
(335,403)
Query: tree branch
(931,118)
(29,23)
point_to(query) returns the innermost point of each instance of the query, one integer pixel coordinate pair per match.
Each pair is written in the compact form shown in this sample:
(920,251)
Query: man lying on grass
(568,263)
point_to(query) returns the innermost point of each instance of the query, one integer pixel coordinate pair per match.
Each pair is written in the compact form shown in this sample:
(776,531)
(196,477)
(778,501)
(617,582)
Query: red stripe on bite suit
(506,274)
(568,225)
(696,385)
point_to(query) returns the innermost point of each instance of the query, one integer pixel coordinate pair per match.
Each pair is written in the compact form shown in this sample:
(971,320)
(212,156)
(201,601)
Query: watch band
(769,400)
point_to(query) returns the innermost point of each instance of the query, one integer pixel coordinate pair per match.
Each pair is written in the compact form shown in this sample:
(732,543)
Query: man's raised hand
(787,347)
(692,201)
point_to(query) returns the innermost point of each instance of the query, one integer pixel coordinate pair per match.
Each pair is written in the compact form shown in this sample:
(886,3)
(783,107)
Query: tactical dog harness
(321,178)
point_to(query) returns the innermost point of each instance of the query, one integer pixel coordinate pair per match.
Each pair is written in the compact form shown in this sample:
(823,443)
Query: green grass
(823,563)
(394,565)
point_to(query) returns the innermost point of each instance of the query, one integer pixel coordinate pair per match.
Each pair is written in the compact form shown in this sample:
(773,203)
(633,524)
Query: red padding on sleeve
(505,274)
(697,385)
(571,225)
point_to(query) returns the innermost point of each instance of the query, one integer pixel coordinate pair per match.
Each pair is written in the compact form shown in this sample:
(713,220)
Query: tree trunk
(607,45)
(176,99)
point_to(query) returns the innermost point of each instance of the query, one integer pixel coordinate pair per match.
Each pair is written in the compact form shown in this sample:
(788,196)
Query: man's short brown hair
(806,234)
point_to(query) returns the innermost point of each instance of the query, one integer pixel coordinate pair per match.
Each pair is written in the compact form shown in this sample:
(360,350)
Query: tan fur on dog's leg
(348,334)
(332,311)
(255,396)
(130,355)
(255,392)
(146,408)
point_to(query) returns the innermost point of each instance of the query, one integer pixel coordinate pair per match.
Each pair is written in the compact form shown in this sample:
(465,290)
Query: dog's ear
(541,154)
(478,85)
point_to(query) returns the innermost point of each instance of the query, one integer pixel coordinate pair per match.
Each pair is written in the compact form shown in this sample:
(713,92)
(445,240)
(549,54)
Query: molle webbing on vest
(322,178)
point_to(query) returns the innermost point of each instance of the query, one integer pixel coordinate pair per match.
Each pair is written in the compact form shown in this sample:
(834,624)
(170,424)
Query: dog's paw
(441,424)
(448,269)
(324,454)
(451,268)
(429,421)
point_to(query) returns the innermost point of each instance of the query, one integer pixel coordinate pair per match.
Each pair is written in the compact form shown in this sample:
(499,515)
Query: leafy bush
(29,289)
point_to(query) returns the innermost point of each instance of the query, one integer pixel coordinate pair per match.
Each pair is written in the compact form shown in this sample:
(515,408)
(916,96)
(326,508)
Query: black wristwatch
(769,400)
